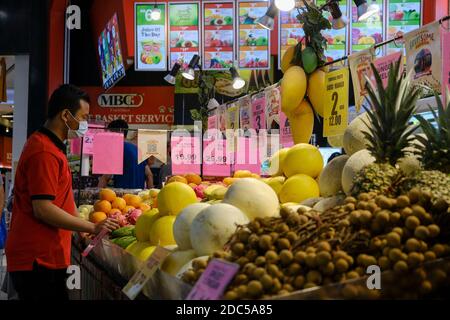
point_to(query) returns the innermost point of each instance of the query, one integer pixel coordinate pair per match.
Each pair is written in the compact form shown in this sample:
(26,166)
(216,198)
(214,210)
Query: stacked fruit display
(388,218)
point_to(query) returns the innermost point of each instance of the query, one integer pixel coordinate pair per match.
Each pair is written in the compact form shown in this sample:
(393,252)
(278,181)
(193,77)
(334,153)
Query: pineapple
(434,150)
(437,182)
(389,134)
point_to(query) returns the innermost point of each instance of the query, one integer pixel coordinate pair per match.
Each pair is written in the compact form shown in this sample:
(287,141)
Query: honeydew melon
(353,165)
(182,225)
(354,139)
(330,179)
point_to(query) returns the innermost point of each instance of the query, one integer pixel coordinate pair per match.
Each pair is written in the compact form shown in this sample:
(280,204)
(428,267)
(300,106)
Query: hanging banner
(247,155)
(184,32)
(335,118)
(336,38)
(222,118)
(233,116)
(258,111)
(185,154)
(218,35)
(151,43)
(423,56)
(216,160)
(445,65)
(152,143)
(212,122)
(88,138)
(364,34)
(273,107)
(404,16)
(107,155)
(254,40)
(383,65)
(359,64)
(286,139)
(245,114)
(290,31)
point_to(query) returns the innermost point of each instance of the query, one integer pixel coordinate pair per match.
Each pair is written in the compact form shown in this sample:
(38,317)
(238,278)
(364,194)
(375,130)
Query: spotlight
(285,5)
(339,21)
(238,82)
(189,72)
(365,11)
(170,77)
(267,21)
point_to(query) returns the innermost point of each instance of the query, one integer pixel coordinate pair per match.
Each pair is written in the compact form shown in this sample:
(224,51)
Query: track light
(238,82)
(155,14)
(339,21)
(189,72)
(171,76)
(364,10)
(285,5)
(268,20)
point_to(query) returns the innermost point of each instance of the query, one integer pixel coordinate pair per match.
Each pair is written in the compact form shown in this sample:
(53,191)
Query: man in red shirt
(44,212)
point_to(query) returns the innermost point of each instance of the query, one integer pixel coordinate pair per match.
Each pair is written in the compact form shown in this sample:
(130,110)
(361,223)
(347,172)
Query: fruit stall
(371,223)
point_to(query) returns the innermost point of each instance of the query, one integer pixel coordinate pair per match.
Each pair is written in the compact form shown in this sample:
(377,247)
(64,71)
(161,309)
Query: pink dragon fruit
(199,190)
(133,216)
(121,219)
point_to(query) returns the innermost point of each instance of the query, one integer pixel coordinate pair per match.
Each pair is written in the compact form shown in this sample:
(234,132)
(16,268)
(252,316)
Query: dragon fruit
(121,219)
(133,216)
(199,190)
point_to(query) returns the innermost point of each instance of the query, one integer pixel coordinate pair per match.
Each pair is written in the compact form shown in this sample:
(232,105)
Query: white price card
(149,267)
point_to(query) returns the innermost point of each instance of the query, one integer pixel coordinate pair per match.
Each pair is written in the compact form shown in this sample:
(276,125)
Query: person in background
(38,247)
(133,176)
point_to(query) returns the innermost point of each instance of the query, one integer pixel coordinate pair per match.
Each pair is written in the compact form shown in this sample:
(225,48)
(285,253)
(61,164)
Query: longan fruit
(258,273)
(418,211)
(323,246)
(412,222)
(266,281)
(395,254)
(281,228)
(385,203)
(311,260)
(230,295)
(438,249)
(271,256)
(352,275)
(276,286)
(398,230)
(382,217)
(403,201)
(242,261)
(241,279)
(255,288)
(434,230)
(414,195)
(328,269)
(341,265)
(384,263)
(292,236)
(314,276)
(426,287)
(354,217)
(260,261)
(273,270)
(299,282)
(406,212)
(253,240)
(265,241)
(323,257)
(286,257)
(365,217)
(349,207)
(283,243)
(415,259)
(362,197)
(393,239)
(294,269)
(372,207)
(401,266)
(361,205)
(412,245)
(421,232)
(300,257)
(430,256)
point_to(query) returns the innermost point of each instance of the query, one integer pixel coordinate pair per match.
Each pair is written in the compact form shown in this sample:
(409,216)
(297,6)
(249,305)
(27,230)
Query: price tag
(336,103)
(88,139)
(185,155)
(247,155)
(213,281)
(216,159)
(94,242)
(149,267)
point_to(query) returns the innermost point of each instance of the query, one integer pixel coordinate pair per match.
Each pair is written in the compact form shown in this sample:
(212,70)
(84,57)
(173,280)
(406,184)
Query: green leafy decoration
(205,93)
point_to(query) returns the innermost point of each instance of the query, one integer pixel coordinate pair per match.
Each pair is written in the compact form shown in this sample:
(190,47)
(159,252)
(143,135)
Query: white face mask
(80,132)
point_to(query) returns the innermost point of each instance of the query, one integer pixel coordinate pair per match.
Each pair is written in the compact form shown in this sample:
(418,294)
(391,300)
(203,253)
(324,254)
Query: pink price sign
(216,160)
(88,139)
(213,281)
(212,122)
(258,112)
(383,65)
(445,38)
(185,155)
(285,131)
(247,155)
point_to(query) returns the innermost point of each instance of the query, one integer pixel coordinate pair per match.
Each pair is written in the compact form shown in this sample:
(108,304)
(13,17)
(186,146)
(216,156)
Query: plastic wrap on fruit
(133,216)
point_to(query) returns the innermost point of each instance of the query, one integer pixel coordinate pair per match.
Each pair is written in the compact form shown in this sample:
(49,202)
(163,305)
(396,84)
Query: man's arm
(104,180)
(47,212)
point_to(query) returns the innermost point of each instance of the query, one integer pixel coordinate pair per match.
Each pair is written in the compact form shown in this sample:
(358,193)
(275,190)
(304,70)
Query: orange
(119,203)
(107,194)
(177,179)
(155,202)
(97,217)
(128,209)
(113,212)
(126,197)
(229,181)
(103,206)
(134,201)
(193,178)
(144,207)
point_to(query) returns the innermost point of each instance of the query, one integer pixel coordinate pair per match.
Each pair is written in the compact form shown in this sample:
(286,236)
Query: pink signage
(445,38)
(258,111)
(383,65)
(216,160)
(286,140)
(107,155)
(185,155)
(212,122)
(247,155)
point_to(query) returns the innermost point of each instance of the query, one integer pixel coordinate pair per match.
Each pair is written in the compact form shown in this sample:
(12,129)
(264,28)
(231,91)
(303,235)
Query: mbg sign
(117,100)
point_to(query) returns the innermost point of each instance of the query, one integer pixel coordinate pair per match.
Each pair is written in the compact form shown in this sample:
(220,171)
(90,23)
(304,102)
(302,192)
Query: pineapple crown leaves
(313,23)
(390,111)
(434,149)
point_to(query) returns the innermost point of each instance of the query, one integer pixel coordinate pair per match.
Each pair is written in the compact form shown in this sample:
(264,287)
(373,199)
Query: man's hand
(109,224)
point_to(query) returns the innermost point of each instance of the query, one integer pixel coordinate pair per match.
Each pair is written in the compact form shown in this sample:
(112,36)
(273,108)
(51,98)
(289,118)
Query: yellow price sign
(335,117)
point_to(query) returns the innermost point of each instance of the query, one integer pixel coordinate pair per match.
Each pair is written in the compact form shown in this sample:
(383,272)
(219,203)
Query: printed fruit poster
(290,32)
(424,57)
(218,35)
(254,40)
(245,115)
(404,16)
(336,39)
(369,32)
(273,106)
(151,46)
(184,32)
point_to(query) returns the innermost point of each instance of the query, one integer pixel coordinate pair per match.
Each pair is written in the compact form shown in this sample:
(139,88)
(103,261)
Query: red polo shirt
(42,173)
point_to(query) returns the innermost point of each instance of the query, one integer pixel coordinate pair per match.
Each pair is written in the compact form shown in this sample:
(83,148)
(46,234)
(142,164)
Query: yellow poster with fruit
(335,118)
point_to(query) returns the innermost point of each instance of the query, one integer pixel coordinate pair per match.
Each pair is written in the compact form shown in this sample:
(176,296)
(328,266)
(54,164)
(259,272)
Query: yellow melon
(293,88)
(303,158)
(297,188)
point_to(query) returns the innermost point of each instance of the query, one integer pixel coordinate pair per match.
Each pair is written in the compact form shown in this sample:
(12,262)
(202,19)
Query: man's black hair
(66,96)
(119,124)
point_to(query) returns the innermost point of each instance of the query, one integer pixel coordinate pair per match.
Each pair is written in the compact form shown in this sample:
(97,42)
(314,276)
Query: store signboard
(185,154)
(365,34)
(290,31)
(336,39)
(218,35)
(150,37)
(216,158)
(254,40)
(136,105)
(404,16)
(335,117)
(184,32)
(110,54)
